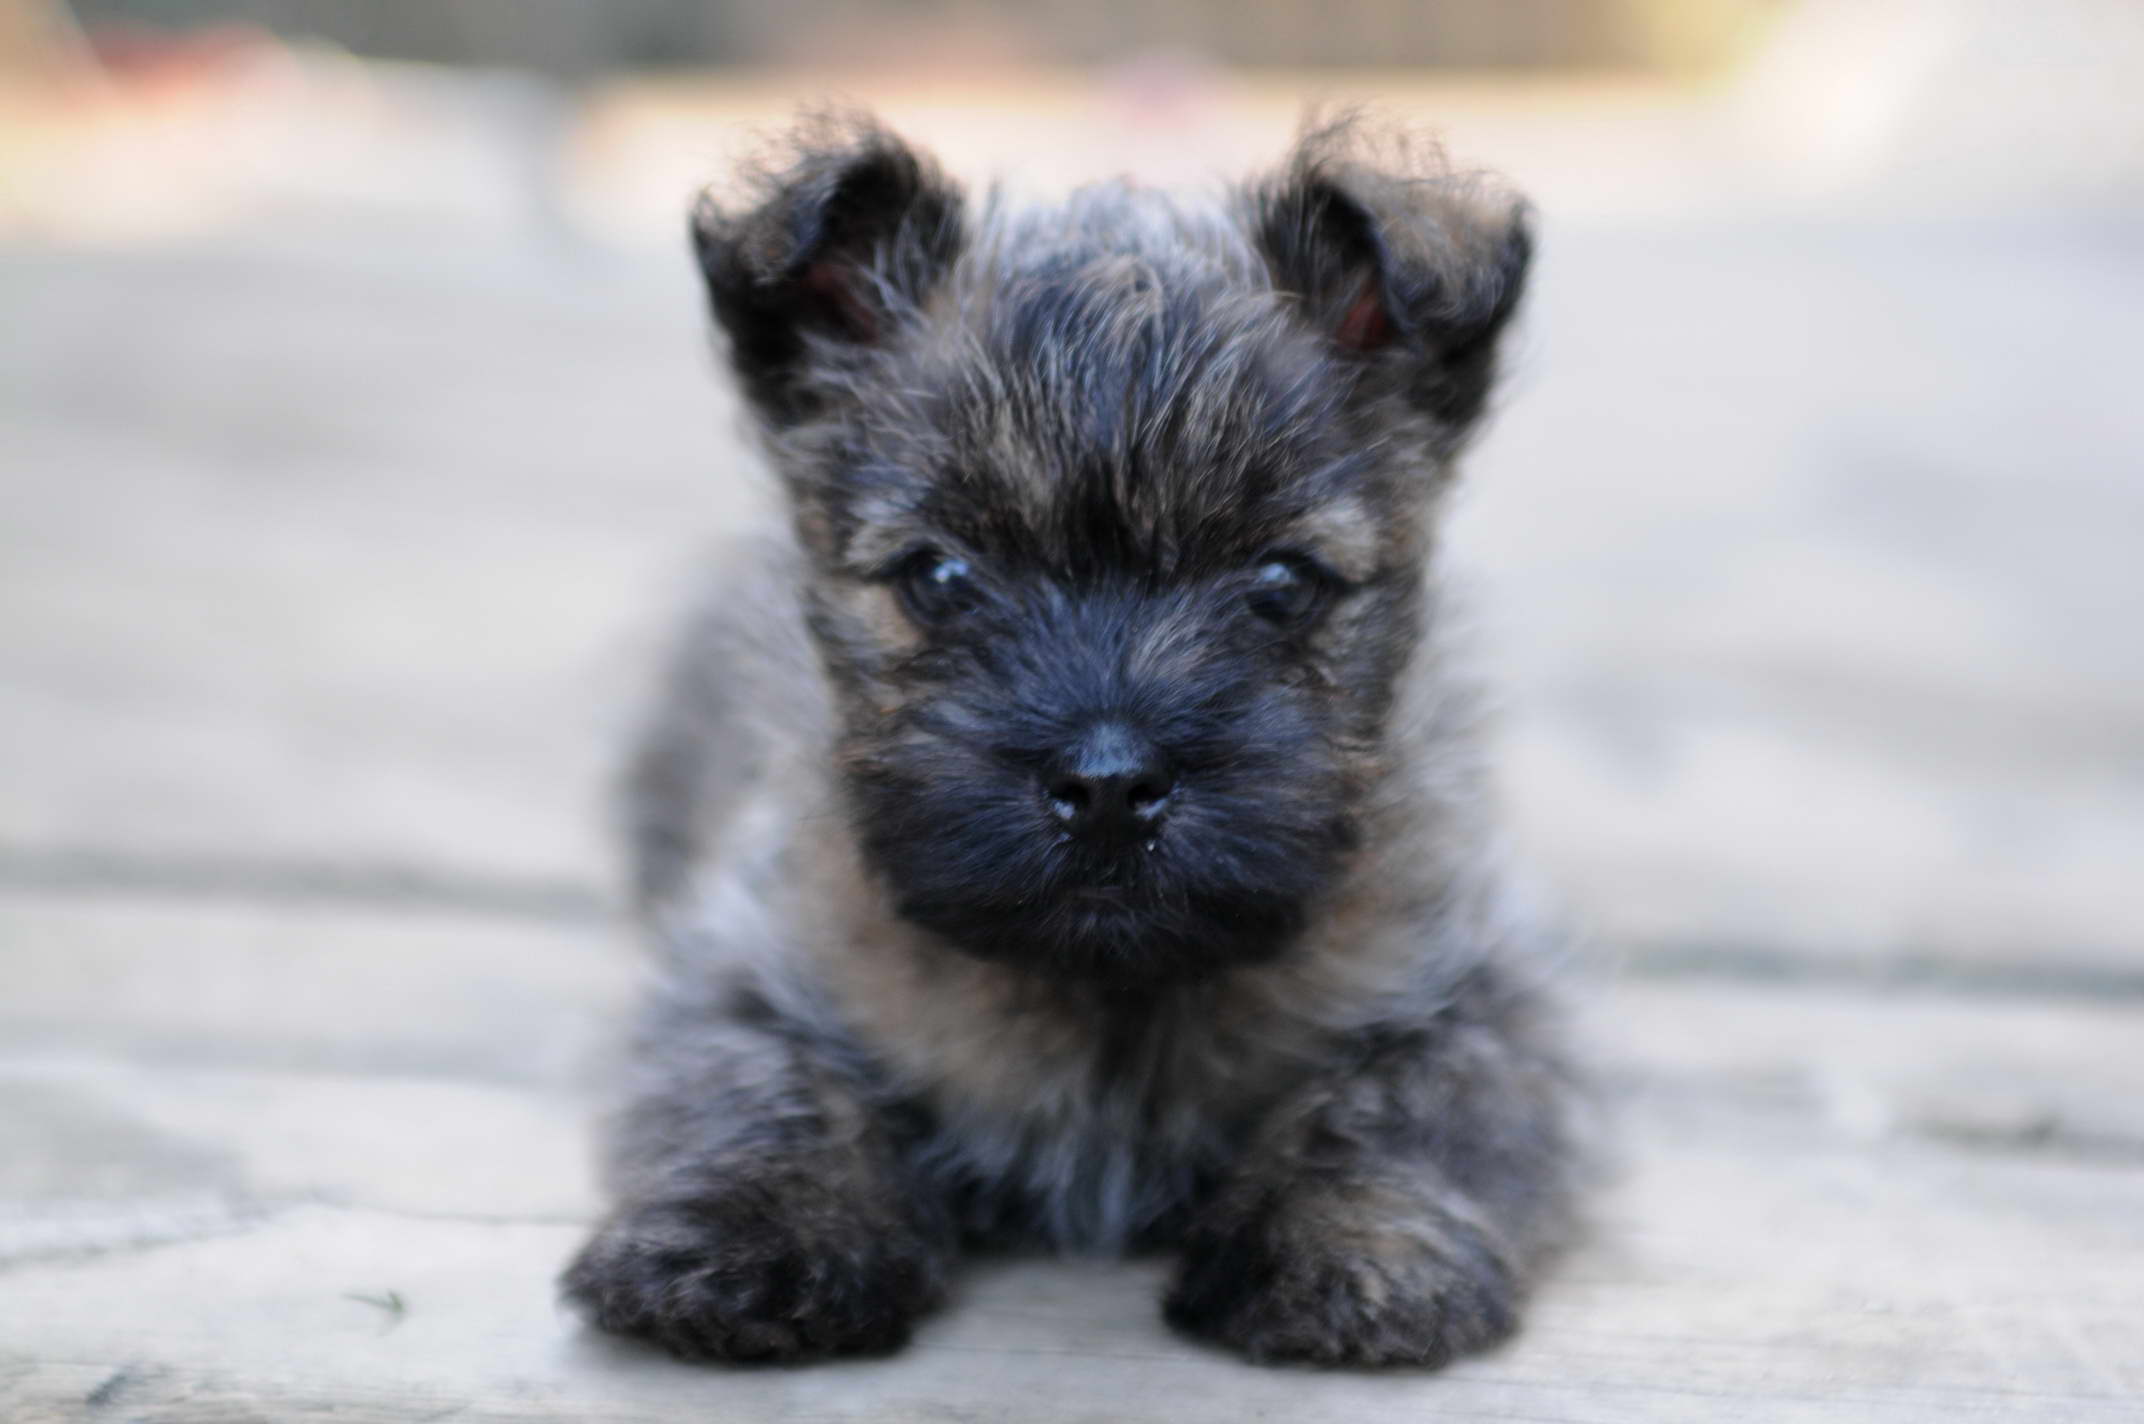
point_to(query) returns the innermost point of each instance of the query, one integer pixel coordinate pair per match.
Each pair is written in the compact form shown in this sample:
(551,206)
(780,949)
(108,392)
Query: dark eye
(937,588)
(1288,590)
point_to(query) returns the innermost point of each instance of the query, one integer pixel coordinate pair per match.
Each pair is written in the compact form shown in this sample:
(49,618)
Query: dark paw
(744,1277)
(1325,1285)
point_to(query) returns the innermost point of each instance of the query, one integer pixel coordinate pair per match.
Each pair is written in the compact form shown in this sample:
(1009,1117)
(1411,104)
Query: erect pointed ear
(839,245)
(1397,261)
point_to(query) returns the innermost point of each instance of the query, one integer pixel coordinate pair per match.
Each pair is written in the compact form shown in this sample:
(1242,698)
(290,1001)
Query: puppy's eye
(937,588)
(1288,590)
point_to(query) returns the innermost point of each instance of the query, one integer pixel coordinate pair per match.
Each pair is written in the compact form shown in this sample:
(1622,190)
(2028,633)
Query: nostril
(1069,798)
(1147,799)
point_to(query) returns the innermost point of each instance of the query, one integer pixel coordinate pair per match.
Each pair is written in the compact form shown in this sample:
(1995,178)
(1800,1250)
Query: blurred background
(360,427)
(360,433)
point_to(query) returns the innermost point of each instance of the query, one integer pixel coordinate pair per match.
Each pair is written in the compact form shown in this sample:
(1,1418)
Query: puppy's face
(1114,631)
(1118,520)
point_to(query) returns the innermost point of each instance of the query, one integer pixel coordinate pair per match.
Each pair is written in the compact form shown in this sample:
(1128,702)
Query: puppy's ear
(843,242)
(1397,261)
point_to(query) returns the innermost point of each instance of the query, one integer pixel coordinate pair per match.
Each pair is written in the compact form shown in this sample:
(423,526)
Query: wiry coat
(1299,1034)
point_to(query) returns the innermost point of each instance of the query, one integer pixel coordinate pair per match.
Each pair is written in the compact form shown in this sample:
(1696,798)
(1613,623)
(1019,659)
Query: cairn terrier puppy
(1068,832)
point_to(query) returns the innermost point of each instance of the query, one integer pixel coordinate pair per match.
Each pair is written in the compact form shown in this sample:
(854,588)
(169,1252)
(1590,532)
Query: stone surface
(222,1213)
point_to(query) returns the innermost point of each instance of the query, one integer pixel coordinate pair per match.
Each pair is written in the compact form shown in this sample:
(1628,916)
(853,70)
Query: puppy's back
(741,701)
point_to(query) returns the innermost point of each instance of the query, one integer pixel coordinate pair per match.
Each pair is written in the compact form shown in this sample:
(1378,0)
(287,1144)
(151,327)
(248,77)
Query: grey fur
(1352,1114)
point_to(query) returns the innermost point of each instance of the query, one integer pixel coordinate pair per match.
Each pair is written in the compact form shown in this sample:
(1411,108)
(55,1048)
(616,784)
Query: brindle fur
(1305,1040)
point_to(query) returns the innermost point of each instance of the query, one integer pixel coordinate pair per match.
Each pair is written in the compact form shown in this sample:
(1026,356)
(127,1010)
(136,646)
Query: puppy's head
(1117,516)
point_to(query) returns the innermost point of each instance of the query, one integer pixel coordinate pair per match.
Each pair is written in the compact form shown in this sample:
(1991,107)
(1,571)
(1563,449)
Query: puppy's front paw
(754,1274)
(1346,1280)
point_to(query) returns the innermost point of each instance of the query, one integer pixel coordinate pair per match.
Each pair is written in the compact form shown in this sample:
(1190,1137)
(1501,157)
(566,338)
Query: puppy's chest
(1044,1116)
(1095,1140)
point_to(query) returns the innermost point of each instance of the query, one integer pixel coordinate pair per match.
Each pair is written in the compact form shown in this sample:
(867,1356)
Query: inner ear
(1365,325)
(1388,254)
(1324,247)
(846,238)
(828,292)
(842,243)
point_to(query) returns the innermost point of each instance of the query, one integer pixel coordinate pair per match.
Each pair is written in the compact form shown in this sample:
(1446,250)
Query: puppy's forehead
(1099,402)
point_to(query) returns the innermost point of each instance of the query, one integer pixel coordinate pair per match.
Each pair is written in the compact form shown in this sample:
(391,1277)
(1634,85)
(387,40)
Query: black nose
(1110,785)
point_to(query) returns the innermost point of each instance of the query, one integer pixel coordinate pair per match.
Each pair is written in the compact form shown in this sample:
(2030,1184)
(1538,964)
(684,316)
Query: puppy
(1069,833)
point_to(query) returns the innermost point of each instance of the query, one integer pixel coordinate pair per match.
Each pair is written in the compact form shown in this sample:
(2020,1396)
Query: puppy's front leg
(1392,1214)
(763,1213)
